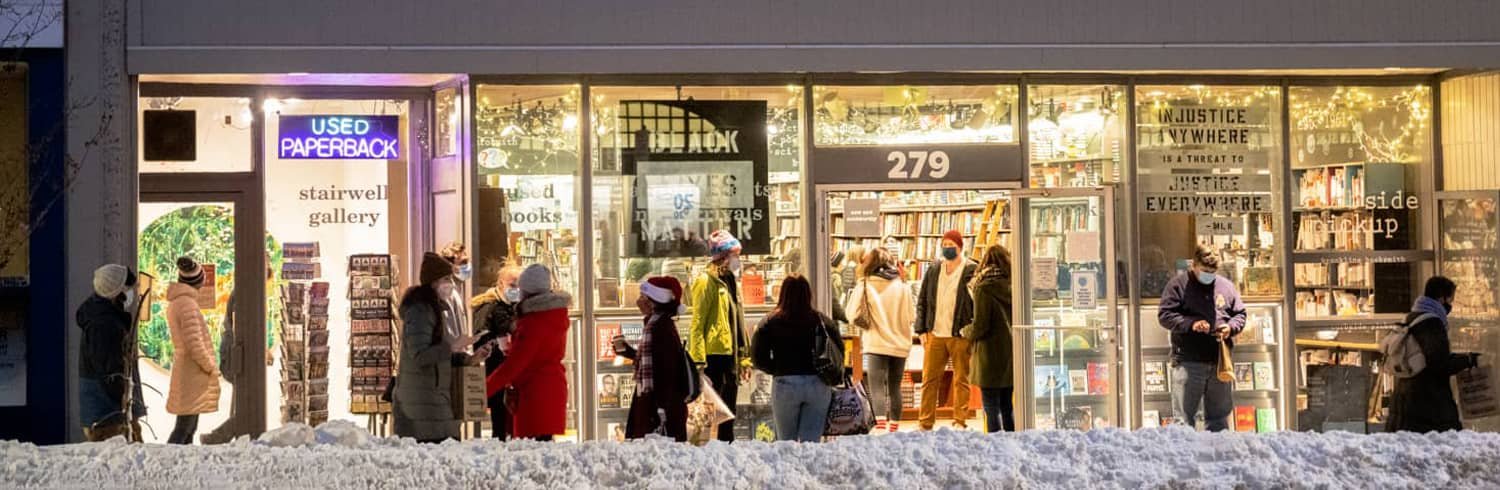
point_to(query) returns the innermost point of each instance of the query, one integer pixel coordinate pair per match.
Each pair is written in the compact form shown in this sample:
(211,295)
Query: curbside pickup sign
(334,137)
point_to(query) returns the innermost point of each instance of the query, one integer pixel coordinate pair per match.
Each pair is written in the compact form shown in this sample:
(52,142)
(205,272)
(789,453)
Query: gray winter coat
(421,400)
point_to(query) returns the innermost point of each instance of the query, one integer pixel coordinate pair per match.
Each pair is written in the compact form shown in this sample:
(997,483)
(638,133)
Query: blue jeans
(1195,383)
(999,409)
(800,406)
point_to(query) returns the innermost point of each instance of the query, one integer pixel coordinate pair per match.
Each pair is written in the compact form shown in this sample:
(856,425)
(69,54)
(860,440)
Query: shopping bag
(850,412)
(1226,364)
(468,395)
(706,413)
(1476,393)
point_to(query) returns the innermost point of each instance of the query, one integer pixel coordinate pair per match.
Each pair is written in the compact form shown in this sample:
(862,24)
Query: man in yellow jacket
(717,338)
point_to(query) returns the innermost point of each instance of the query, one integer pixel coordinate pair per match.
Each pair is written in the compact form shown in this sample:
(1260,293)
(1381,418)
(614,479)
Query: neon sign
(340,137)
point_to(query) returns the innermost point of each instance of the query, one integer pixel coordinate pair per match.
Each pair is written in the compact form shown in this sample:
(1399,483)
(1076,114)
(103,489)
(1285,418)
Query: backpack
(1403,355)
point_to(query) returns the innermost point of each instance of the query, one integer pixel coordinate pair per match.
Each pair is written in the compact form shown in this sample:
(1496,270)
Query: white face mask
(734,264)
(131,298)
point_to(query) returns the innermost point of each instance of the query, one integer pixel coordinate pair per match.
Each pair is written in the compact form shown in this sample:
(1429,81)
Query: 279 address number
(937,161)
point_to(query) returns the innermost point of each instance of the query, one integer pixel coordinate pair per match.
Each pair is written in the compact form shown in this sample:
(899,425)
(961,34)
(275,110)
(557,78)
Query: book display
(304,336)
(371,334)
(1077,135)
(1256,357)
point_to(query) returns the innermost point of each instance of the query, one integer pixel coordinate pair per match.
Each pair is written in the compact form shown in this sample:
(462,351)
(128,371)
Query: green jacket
(990,333)
(717,319)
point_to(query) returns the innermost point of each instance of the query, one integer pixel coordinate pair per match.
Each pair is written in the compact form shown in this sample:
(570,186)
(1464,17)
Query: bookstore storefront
(1318,192)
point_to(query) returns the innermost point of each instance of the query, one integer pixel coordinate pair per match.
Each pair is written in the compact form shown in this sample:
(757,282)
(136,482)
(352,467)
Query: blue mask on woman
(1206,278)
(512,294)
(465,272)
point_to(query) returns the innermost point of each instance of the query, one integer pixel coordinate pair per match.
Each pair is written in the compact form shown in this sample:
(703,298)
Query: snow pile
(333,457)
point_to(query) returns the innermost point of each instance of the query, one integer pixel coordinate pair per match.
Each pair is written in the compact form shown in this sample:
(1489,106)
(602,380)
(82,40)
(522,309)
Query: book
(627,389)
(1078,381)
(1265,377)
(1150,418)
(1155,374)
(607,333)
(1051,379)
(1078,418)
(1098,378)
(1244,380)
(753,289)
(1265,420)
(1044,340)
(609,390)
(1244,418)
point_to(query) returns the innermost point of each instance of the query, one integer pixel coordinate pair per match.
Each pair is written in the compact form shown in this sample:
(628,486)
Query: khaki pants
(939,351)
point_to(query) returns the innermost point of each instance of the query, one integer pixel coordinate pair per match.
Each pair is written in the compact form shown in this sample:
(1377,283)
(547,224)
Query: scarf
(643,358)
(888,272)
(1428,305)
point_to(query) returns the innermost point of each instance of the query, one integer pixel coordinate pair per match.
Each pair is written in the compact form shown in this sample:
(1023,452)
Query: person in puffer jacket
(195,373)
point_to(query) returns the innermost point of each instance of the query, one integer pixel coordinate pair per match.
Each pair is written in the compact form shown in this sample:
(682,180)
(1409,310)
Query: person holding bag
(1423,400)
(786,346)
(663,375)
(883,313)
(990,368)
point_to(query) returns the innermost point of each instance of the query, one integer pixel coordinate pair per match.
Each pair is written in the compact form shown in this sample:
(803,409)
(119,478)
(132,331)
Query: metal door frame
(1023,361)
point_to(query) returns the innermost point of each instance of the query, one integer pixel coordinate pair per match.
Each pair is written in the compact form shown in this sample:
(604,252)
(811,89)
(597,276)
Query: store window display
(851,115)
(1360,161)
(1076,134)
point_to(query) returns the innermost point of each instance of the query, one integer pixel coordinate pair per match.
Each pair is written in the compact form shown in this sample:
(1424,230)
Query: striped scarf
(644,380)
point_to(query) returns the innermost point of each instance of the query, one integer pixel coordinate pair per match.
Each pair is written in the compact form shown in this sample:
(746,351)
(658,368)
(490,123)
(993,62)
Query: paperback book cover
(1244,380)
(1265,420)
(627,389)
(1078,418)
(1244,418)
(1078,381)
(1151,418)
(1051,380)
(1098,378)
(1265,377)
(1155,373)
(607,333)
(609,390)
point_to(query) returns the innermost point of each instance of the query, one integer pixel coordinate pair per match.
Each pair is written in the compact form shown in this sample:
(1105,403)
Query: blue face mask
(465,272)
(512,294)
(950,253)
(1206,277)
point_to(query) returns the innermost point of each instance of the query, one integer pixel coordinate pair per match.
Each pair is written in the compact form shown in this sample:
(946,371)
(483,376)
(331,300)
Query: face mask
(734,264)
(465,272)
(131,297)
(950,253)
(512,294)
(1206,278)
(1448,307)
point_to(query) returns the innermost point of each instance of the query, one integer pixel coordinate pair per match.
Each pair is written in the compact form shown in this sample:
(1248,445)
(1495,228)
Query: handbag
(864,316)
(1476,393)
(849,413)
(706,413)
(828,357)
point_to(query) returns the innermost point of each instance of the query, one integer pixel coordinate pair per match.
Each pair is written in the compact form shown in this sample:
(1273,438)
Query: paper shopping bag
(706,413)
(1226,364)
(1476,393)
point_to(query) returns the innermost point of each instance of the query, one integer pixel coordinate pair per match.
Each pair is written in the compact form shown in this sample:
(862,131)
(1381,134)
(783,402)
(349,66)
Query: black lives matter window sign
(699,166)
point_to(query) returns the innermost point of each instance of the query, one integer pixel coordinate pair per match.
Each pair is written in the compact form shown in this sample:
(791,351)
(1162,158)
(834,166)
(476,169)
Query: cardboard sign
(1085,290)
(862,217)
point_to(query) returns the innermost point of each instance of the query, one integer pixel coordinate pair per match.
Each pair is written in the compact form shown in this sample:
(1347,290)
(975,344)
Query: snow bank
(332,456)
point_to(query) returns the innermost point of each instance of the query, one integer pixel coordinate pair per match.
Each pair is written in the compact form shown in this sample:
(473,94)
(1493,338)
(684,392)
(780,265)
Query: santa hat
(721,244)
(958,238)
(664,290)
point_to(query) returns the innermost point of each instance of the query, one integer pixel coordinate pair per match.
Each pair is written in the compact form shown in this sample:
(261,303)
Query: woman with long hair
(882,309)
(422,403)
(785,346)
(990,368)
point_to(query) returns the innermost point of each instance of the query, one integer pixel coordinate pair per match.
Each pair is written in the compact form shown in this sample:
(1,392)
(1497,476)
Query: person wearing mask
(662,382)
(534,367)
(1424,401)
(456,325)
(495,318)
(785,346)
(990,368)
(716,338)
(194,388)
(944,308)
(887,339)
(107,319)
(1204,312)
(422,399)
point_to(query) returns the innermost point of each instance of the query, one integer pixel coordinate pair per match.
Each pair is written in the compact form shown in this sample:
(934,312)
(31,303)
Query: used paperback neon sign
(340,137)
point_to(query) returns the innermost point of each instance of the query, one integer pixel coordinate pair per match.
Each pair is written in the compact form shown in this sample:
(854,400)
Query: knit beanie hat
(112,279)
(434,267)
(721,244)
(536,279)
(958,238)
(189,272)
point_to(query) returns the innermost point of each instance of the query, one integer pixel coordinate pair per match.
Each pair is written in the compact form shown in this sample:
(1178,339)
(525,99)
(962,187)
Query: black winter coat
(963,308)
(102,350)
(1424,403)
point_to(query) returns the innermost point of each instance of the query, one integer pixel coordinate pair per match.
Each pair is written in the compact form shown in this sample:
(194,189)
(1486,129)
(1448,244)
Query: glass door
(1065,318)
(1469,254)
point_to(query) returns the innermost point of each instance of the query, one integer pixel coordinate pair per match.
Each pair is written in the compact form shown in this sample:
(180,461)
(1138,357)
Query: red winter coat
(534,367)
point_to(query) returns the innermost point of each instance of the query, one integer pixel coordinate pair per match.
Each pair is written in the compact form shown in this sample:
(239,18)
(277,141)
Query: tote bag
(1476,393)
(706,413)
(850,413)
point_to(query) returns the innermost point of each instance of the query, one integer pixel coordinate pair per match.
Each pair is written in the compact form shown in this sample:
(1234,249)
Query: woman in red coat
(534,364)
(661,365)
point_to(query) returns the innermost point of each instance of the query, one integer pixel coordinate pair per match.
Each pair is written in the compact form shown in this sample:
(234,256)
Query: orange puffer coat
(195,374)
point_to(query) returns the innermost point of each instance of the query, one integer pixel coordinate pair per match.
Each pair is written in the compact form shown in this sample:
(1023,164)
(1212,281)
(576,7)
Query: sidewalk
(344,457)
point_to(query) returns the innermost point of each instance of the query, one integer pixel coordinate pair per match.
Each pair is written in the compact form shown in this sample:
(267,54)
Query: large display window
(1076,134)
(1360,161)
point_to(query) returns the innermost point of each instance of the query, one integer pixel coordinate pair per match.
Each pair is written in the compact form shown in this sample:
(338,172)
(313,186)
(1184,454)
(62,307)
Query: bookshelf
(1256,355)
(1345,209)
(912,224)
